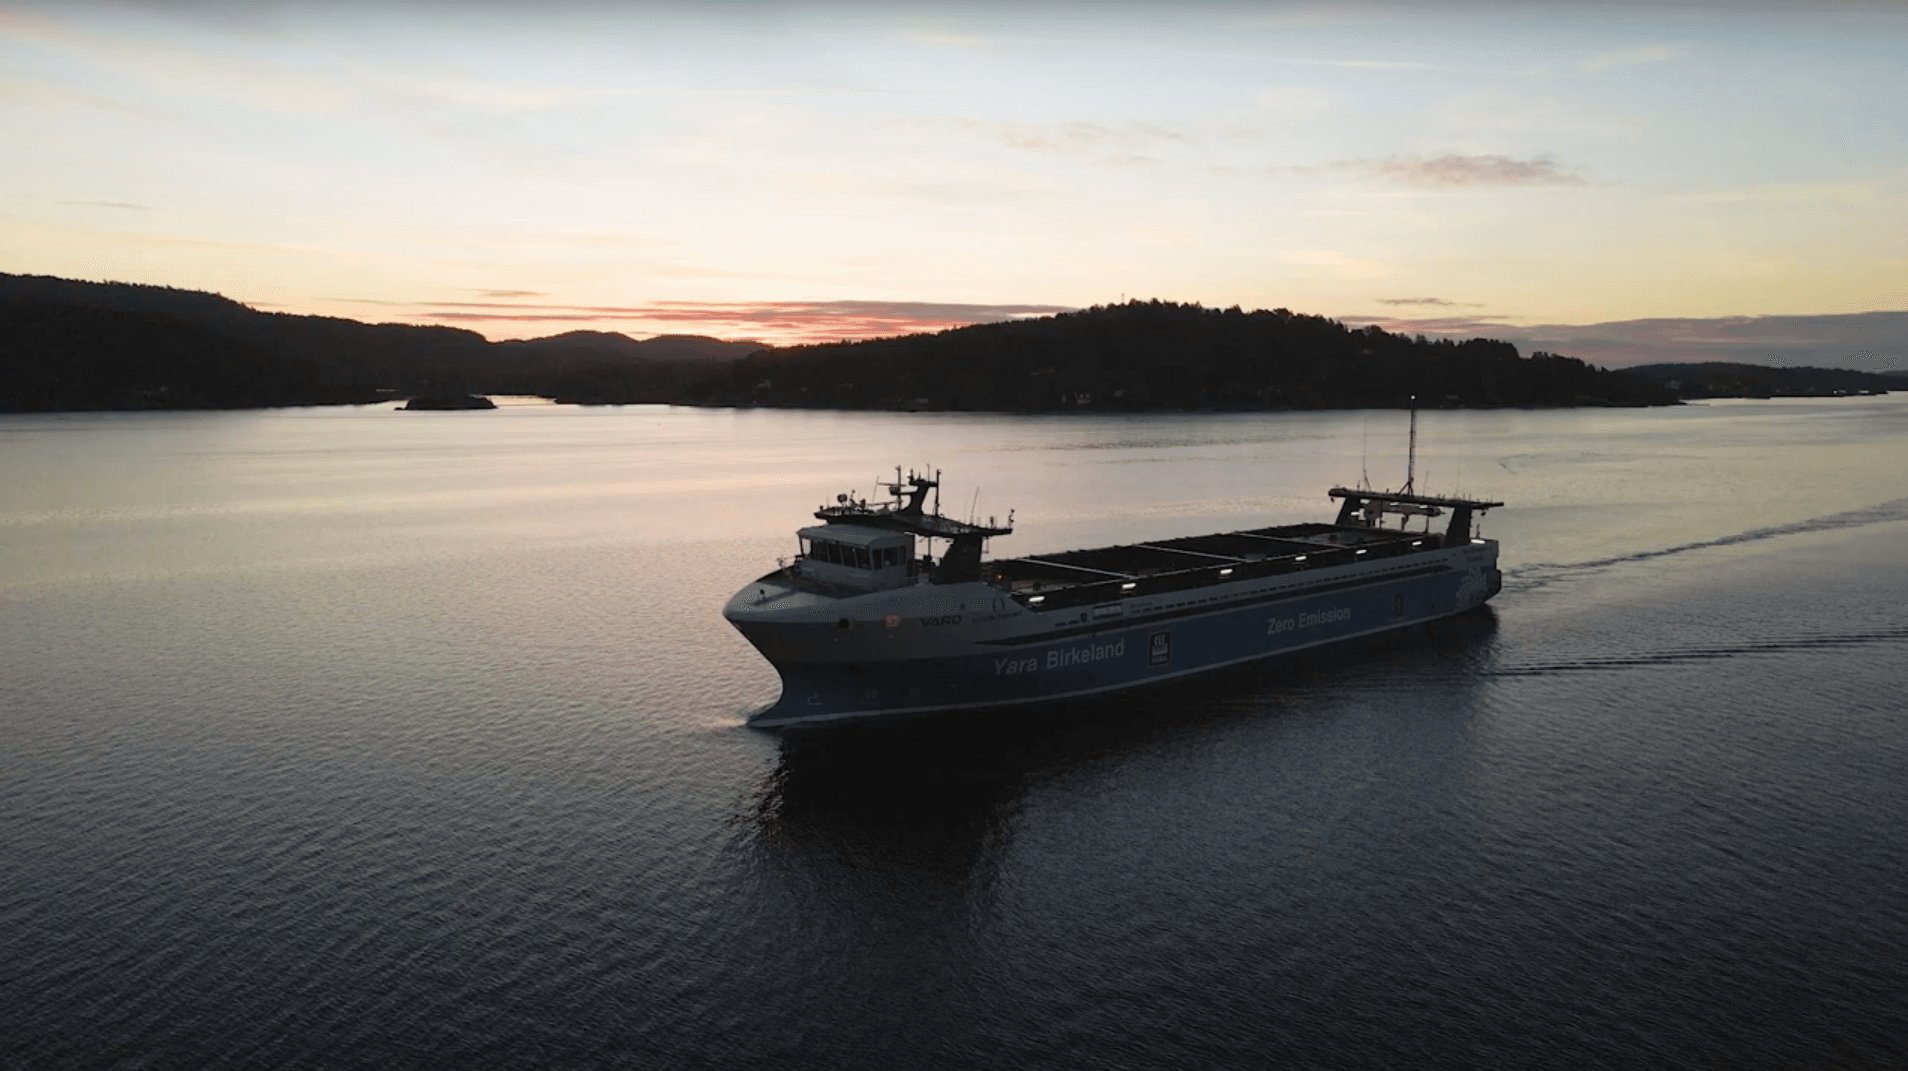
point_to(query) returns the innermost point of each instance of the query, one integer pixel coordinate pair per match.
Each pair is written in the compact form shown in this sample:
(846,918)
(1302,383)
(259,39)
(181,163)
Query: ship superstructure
(860,625)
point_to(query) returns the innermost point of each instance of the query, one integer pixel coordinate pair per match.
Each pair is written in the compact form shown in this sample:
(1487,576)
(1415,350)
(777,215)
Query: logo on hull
(1474,588)
(1159,648)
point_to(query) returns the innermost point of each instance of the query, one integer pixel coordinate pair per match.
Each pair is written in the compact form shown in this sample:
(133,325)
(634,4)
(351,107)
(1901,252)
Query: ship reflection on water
(926,801)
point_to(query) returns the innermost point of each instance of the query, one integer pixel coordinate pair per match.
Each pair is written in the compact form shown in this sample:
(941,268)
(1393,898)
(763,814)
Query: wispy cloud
(1868,341)
(1625,57)
(1452,169)
(1443,326)
(1429,301)
(124,205)
(782,322)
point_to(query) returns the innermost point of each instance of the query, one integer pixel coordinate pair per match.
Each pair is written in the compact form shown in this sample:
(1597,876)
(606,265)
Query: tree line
(1720,379)
(69,345)
(1166,355)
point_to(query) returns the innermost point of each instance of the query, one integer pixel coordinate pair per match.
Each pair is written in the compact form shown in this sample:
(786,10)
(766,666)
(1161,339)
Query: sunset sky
(789,172)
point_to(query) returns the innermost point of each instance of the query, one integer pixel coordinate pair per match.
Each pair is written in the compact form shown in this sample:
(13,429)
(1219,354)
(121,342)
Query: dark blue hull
(1137,651)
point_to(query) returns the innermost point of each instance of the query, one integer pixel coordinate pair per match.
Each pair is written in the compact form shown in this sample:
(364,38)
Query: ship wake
(1689,655)
(1539,574)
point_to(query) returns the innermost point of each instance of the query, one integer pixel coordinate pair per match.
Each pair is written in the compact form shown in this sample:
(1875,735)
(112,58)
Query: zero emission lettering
(1332,616)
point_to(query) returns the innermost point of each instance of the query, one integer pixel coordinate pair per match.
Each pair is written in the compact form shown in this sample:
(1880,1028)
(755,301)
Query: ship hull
(832,674)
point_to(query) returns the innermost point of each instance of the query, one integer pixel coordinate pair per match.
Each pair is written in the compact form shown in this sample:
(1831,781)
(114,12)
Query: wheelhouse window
(854,557)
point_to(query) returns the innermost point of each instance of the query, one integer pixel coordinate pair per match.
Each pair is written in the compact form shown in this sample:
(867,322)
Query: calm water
(362,739)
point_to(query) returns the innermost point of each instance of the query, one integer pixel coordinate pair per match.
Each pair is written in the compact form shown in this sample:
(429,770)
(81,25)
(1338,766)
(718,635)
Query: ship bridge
(857,557)
(906,512)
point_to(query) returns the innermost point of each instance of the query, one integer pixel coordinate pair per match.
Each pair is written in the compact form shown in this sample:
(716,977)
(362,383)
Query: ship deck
(1079,577)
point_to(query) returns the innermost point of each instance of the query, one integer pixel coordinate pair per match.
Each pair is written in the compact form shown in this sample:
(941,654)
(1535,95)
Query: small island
(448,401)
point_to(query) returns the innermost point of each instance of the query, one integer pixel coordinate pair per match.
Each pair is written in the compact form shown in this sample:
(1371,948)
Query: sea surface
(353,738)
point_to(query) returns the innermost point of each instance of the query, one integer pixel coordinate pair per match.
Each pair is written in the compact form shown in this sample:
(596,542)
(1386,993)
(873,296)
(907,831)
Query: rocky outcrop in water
(449,401)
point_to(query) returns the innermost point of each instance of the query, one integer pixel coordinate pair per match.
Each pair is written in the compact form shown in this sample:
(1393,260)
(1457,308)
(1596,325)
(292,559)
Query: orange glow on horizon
(775,323)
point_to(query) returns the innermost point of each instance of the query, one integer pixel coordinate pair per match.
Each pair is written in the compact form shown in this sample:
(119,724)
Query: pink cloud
(1865,341)
(1452,169)
(1440,326)
(774,322)
(1437,301)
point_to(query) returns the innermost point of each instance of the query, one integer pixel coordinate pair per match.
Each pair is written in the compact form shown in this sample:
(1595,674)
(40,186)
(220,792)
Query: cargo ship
(866,622)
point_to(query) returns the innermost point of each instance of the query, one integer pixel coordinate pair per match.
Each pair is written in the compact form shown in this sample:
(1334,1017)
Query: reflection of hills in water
(928,801)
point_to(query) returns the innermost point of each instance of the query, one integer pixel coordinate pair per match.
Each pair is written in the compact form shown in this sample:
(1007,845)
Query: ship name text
(1060,658)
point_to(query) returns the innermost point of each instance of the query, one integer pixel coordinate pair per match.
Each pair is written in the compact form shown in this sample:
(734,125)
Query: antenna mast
(1411,456)
(1364,459)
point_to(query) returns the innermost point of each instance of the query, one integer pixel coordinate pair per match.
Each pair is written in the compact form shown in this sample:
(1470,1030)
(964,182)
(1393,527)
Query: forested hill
(1162,355)
(68,345)
(1719,379)
(71,345)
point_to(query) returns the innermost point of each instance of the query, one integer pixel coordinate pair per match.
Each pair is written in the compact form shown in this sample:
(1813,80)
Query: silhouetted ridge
(287,359)
(78,345)
(56,357)
(1720,379)
(82,345)
(1163,355)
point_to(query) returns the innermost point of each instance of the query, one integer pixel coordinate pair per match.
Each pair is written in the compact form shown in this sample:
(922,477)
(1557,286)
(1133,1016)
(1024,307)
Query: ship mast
(1411,455)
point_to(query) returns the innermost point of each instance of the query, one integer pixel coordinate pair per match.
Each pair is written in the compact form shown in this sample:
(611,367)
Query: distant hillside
(598,367)
(1727,380)
(56,357)
(597,347)
(66,345)
(590,347)
(1162,355)
(340,359)
(695,348)
(1863,341)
